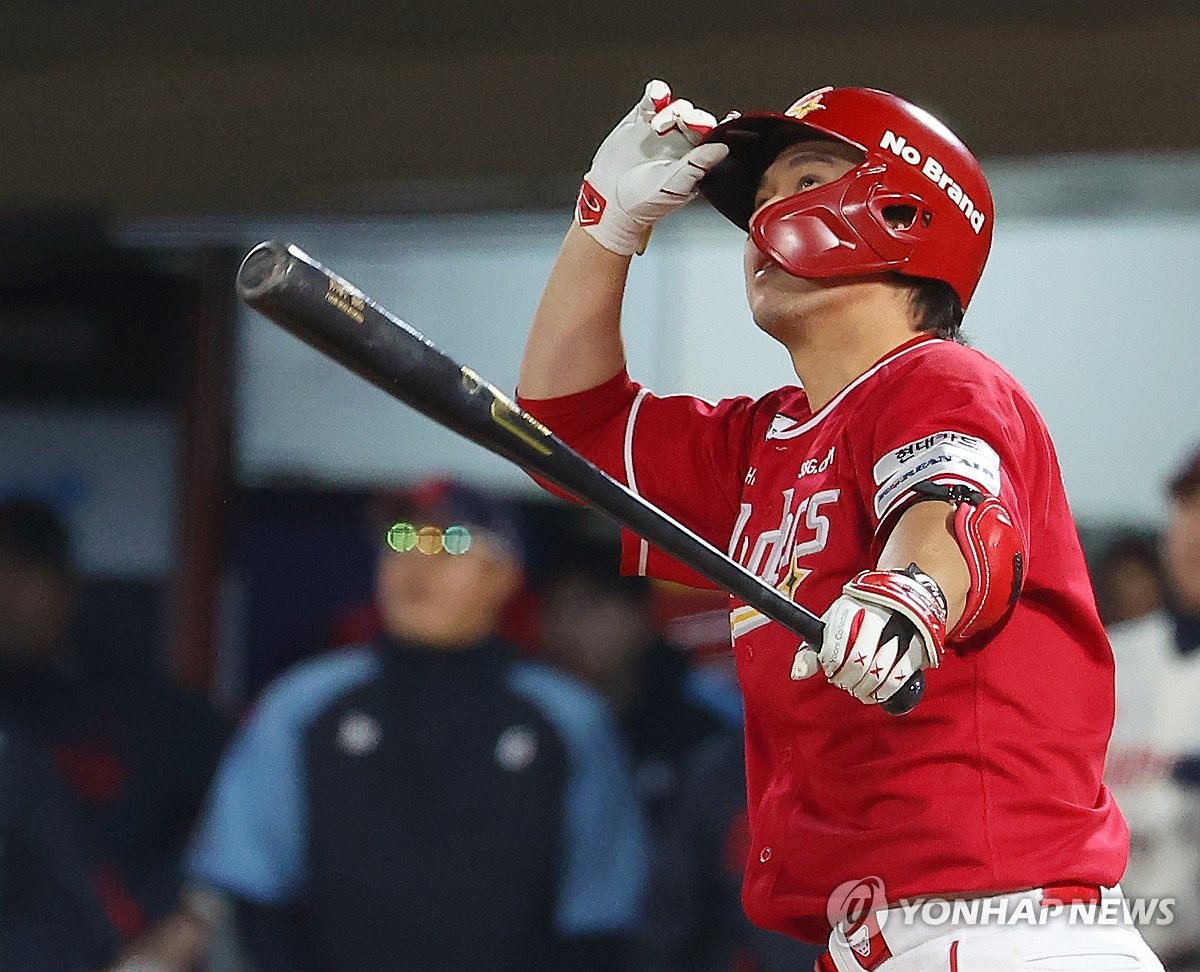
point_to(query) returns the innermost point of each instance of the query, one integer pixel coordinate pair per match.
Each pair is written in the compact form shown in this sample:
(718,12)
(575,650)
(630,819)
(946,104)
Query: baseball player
(908,492)
(1152,757)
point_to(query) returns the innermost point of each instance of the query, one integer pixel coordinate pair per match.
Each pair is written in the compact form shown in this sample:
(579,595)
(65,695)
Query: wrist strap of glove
(912,593)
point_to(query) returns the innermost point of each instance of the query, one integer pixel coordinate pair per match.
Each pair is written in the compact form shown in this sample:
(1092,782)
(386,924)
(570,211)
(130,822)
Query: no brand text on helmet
(898,145)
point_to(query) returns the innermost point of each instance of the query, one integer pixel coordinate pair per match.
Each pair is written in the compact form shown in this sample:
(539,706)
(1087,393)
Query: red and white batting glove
(648,166)
(886,626)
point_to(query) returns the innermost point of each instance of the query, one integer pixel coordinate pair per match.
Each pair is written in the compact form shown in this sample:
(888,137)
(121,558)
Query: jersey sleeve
(685,455)
(945,423)
(251,840)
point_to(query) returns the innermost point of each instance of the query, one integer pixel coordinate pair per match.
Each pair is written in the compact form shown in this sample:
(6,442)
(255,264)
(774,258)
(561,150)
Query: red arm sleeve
(687,456)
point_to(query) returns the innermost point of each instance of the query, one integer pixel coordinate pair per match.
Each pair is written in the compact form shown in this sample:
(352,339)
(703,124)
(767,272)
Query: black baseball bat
(284,284)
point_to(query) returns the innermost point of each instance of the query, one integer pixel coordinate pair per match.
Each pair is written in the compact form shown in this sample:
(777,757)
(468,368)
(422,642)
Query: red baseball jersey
(993,782)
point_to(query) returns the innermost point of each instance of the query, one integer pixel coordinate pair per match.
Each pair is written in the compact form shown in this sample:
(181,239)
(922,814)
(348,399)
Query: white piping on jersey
(630,479)
(833,403)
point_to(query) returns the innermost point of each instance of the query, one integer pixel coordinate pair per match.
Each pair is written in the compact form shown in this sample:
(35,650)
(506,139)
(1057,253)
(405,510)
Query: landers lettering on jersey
(948,457)
(933,169)
(775,554)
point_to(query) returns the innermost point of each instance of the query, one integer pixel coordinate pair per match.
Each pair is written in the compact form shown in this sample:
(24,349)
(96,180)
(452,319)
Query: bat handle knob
(907,697)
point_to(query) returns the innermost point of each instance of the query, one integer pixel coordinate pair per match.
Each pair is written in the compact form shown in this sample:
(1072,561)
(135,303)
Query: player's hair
(938,308)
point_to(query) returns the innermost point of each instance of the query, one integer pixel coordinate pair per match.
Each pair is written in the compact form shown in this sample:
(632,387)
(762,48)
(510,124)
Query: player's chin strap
(995,555)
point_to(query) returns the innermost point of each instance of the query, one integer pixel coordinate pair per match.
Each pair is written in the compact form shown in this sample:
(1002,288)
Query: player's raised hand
(887,625)
(647,166)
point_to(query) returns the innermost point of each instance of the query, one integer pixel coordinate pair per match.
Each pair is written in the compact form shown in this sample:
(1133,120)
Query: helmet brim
(754,141)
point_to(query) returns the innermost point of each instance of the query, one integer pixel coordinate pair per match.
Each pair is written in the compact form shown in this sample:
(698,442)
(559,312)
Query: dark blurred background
(171,108)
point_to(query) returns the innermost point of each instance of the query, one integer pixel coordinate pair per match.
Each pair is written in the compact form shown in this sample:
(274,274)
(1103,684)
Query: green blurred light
(402,537)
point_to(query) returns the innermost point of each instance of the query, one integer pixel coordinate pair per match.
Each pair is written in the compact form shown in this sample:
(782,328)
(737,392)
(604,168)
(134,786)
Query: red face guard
(842,228)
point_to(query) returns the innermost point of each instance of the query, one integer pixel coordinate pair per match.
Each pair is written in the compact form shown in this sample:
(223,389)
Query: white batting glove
(886,626)
(648,166)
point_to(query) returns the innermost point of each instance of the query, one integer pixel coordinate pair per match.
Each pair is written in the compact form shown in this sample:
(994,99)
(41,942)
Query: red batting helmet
(914,166)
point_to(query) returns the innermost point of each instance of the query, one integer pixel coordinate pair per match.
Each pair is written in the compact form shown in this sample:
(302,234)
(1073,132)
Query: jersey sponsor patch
(944,456)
